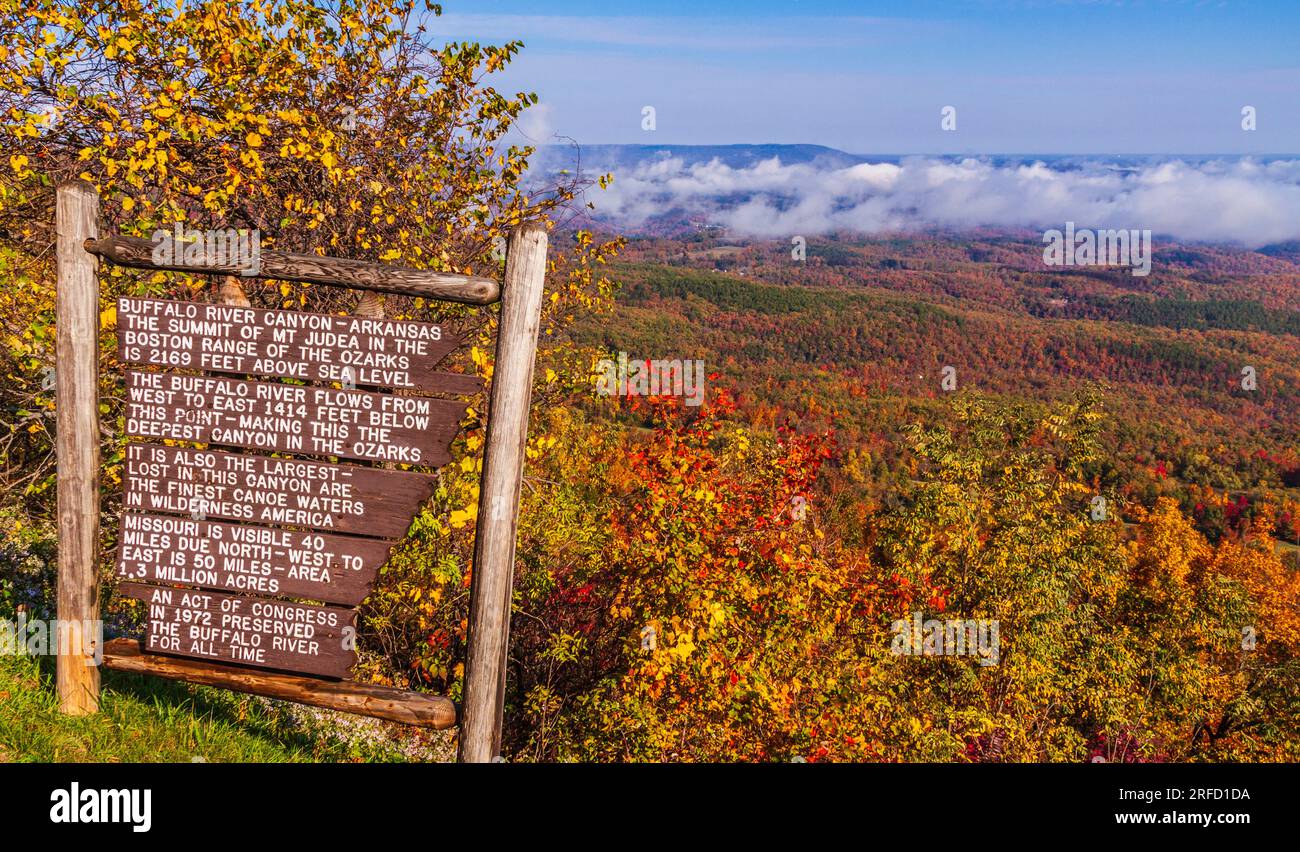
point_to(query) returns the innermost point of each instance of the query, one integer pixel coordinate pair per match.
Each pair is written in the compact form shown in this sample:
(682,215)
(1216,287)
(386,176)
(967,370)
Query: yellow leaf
(253,140)
(108,318)
(460,517)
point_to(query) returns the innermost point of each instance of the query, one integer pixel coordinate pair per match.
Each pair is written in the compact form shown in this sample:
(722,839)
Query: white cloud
(536,125)
(1244,201)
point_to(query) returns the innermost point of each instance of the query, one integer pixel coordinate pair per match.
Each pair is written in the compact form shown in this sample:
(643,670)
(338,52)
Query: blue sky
(1025,76)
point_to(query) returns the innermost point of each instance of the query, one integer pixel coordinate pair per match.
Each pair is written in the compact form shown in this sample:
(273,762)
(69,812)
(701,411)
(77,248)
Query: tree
(333,127)
(330,127)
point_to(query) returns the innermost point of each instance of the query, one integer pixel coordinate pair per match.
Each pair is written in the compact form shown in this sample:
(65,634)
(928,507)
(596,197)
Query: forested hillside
(1195,365)
(1088,480)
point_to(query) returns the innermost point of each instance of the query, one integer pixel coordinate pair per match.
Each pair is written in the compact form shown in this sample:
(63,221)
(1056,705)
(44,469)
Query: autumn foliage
(677,600)
(712,583)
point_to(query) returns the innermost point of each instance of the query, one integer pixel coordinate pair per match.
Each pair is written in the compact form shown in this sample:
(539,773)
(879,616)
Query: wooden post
(498,507)
(231,292)
(77,403)
(371,306)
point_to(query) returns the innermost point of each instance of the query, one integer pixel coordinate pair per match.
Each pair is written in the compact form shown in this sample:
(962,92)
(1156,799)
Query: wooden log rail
(340,272)
(380,702)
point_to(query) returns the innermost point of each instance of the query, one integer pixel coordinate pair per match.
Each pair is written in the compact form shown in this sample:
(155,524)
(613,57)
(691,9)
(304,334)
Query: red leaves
(1233,510)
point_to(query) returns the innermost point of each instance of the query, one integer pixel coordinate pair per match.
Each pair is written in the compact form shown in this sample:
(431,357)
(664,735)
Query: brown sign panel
(272,491)
(292,418)
(248,559)
(288,344)
(247,631)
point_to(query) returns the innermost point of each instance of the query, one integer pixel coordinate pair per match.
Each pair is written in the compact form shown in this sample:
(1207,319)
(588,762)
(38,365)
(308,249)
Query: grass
(144,719)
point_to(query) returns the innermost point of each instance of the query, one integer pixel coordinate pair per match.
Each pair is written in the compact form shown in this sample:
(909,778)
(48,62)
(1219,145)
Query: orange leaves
(1168,548)
(1273,587)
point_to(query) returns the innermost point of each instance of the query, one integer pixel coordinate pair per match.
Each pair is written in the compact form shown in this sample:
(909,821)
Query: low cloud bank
(1244,201)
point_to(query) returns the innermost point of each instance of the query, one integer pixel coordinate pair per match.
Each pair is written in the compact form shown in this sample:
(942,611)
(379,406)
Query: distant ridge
(616,158)
(604,158)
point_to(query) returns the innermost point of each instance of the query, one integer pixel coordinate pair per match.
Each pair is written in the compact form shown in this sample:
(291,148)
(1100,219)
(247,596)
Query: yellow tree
(335,127)
(332,126)
(1261,719)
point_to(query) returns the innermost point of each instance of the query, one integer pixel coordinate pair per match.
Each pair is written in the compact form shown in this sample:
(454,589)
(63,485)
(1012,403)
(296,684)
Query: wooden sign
(272,491)
(248,631)
(248,559)
(291,515)
(199,560)
(292,418)
(287,344)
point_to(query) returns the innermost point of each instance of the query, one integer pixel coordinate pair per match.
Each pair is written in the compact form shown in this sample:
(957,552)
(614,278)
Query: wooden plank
(271,416)
(248,559)
(381,702)
(222,338)
(77,447)
(283,266)
(247,631)
(272,491)
(503,466)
